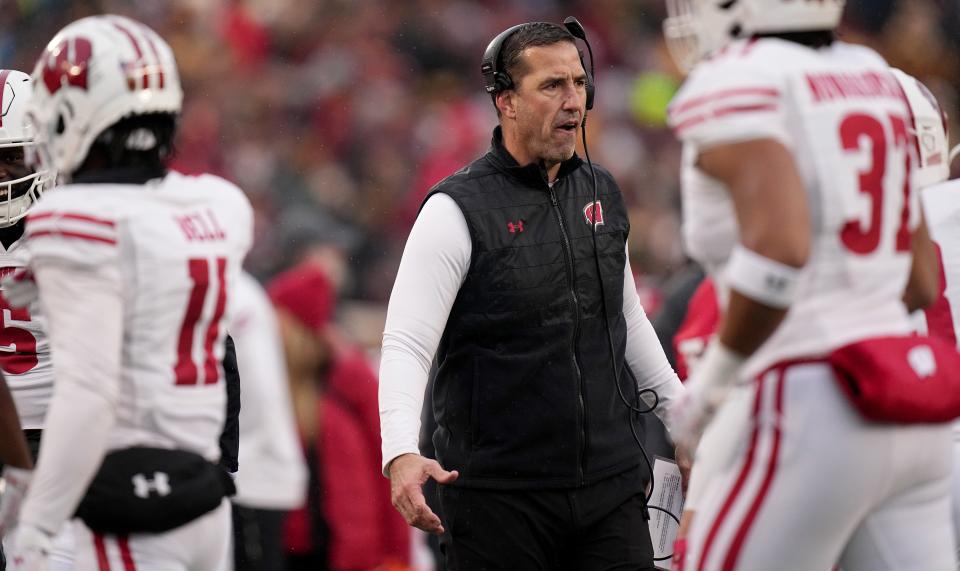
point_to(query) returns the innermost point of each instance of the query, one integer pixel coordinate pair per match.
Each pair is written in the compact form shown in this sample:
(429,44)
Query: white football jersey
(24,350)
(843,116)
(174,247)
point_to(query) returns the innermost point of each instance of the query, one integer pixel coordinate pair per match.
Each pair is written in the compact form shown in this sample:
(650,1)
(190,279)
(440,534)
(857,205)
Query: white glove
(31,549)
(20,289)
(15,484)
(706,391)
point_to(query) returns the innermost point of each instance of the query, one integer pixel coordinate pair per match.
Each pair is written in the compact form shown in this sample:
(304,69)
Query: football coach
(541,343)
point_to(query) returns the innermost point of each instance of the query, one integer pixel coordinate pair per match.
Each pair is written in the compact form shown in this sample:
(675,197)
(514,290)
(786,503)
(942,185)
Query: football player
(24,347)
(135,267)
(797,167)
(700,324)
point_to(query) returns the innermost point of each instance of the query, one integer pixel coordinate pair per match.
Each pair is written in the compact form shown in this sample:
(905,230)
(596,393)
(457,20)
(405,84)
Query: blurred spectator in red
(699,325)
(348,523)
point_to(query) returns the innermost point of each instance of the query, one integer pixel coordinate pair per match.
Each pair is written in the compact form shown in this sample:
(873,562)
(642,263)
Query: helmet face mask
(93,73)
(696,28)
(24,183)
(17,196)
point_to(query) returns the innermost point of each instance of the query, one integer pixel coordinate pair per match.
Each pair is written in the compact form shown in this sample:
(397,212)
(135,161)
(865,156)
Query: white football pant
(808,485)
(201,545)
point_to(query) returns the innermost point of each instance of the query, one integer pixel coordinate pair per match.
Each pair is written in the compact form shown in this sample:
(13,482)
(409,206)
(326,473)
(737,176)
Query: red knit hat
(306,292)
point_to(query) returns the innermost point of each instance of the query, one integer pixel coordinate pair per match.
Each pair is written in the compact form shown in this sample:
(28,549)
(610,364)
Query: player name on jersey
(872,84)
(201,226)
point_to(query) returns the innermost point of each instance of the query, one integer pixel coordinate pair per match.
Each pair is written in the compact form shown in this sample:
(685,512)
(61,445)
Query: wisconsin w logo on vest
(589,212)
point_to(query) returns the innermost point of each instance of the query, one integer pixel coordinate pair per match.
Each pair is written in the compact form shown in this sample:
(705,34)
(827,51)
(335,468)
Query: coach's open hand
(408,473)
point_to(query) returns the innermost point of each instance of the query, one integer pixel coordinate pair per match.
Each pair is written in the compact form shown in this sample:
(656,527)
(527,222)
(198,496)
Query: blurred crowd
(337,116)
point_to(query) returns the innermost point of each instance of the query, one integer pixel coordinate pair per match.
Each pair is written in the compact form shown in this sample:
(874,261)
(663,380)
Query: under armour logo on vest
(515,227)
(142,486)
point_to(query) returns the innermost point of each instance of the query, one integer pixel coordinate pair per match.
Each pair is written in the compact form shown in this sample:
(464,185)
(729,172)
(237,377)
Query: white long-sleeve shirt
(434,264)
(273,474)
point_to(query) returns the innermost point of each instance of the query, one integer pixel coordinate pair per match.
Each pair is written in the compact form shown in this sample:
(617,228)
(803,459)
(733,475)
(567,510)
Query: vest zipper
(571,273)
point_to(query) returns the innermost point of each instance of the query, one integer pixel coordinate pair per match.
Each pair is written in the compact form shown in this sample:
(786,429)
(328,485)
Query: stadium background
(337,116)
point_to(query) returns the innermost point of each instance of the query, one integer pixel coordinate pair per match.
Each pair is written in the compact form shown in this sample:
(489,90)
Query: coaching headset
(496,79)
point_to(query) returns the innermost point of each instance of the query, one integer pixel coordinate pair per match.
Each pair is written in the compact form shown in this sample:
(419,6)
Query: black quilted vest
(525,395)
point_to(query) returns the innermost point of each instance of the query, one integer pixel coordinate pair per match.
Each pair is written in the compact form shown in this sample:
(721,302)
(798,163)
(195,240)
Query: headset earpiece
(495,79)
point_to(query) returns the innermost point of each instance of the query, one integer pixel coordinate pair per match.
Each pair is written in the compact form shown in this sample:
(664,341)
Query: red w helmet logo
(593,215)
(66,64)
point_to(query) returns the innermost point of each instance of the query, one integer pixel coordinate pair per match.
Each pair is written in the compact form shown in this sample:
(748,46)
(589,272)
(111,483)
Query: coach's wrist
(398,461)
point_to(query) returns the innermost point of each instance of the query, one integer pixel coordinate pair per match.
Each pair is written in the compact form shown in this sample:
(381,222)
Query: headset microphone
(573,25)
(576,30)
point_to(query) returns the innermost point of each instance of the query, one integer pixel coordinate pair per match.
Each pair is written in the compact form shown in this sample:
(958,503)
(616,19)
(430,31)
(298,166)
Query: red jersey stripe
(723,112)
(723,94)
(71,216)
(71,234)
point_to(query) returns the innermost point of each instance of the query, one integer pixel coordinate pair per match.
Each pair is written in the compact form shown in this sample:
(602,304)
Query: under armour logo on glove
(143,486)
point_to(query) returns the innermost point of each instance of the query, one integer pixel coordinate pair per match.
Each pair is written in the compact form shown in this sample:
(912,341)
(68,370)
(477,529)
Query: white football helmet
(93,73)
(929,129)
(19,194)
(694,28)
